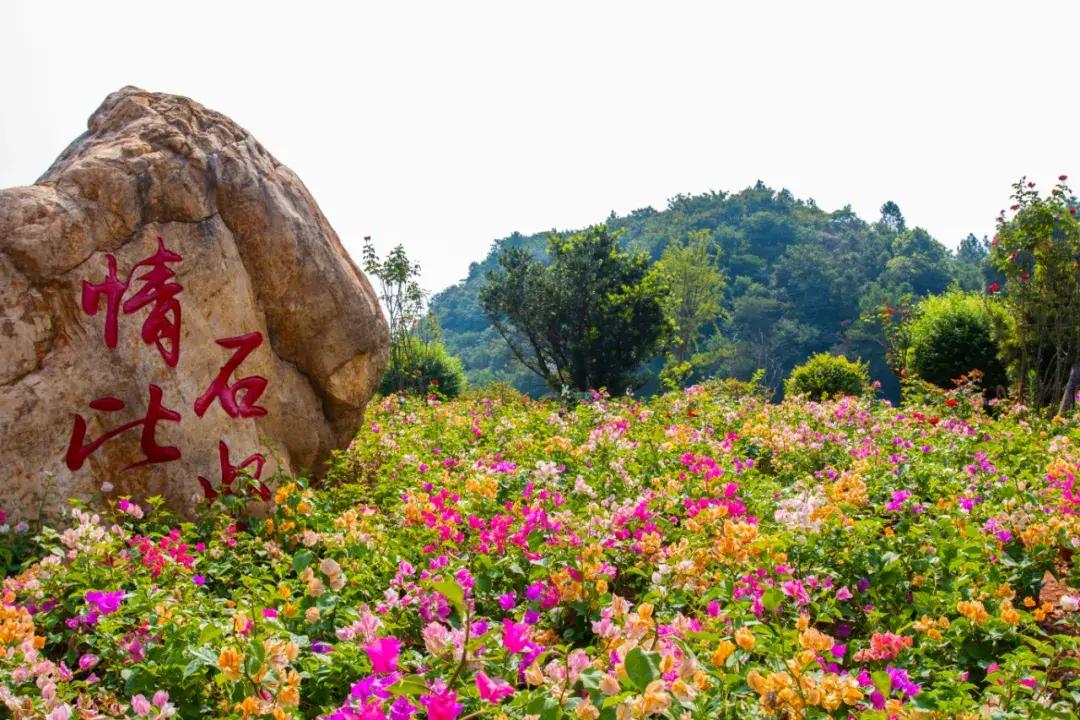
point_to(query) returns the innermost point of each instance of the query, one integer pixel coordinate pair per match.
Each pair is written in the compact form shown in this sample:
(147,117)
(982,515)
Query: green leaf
(408,685)
(772,599)
(642,667)
(882,681)
(301,560)
(453,593)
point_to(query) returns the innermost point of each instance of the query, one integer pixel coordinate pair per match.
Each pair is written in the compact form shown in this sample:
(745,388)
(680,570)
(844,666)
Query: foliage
(691,269)
(702,555)
(828,376)
(953,334)
(418,359)
(430,369)
(588,319)
(1037,251)
(798,280)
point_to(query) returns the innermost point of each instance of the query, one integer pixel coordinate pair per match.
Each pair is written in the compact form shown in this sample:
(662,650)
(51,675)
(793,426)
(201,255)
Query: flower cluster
(702,554)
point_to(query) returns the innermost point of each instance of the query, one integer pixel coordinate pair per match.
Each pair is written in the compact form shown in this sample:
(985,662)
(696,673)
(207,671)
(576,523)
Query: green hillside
(799,278)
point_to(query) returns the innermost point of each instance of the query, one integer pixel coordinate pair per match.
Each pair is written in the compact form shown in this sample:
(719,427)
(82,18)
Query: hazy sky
(446,125)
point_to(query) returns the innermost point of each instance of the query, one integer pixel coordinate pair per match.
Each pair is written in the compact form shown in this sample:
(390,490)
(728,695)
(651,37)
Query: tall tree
(1038,251)
(587,320)
(691,269)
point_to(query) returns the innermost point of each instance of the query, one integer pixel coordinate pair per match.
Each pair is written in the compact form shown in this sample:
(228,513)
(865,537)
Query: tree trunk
(1068,398)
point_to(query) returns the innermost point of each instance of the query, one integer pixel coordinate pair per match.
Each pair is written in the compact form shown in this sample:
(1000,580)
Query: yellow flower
(585,710)
(973,610)
(745,638)
(723,652)
(1008,613)
(248,706)
(229,662)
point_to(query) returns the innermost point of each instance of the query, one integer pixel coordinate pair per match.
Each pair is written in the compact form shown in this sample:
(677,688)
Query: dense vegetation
(700,555)
(588,318)
(798,280)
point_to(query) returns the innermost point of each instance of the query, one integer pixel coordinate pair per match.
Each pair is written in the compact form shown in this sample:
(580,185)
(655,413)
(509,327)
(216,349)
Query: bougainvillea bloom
(492,689)
(106,603)
(383,654)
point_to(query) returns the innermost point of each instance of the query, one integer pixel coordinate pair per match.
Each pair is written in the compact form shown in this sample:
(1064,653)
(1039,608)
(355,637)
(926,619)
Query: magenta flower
(515,636)
(492,689)
(441,703)
(105,602)
(383,654)
(402,709)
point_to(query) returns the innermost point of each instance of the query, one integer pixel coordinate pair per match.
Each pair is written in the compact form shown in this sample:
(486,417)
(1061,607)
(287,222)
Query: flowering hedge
(700,555)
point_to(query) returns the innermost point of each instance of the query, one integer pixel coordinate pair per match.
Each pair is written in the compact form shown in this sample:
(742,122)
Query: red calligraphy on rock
(239,398)
(162,326)
(79,449)
(229,473)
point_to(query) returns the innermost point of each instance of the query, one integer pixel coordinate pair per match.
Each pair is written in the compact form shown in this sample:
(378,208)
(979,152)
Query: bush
(825,376)
(953,334)
(425,367)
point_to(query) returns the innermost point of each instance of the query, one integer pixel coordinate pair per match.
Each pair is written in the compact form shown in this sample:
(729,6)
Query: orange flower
(229,662)
(745,638)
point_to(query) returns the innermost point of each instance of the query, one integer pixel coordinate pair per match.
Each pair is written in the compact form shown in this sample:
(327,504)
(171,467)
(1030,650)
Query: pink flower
(141,706)
(105,602)
(843,593)
(515,636)
(383,654)
(492,689)
(441,703)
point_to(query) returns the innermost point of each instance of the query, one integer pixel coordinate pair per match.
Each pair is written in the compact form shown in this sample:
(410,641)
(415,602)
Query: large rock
(256,256)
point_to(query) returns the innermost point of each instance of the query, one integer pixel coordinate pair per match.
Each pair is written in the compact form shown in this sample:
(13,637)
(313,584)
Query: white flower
(1070,603)
(106,487)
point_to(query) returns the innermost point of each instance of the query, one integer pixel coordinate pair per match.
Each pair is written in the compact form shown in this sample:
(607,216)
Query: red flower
(1024,276)
(934,420)
(950,402)
(1062,178)
(993,287)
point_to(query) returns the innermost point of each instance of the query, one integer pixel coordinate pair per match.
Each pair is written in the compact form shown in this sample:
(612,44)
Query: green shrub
(826,376)
(953,334)
(424,367)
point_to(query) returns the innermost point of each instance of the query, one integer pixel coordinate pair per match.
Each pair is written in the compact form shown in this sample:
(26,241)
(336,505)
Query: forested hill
(798,280)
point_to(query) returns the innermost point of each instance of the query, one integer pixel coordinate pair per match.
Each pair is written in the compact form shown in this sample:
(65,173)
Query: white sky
(446,125)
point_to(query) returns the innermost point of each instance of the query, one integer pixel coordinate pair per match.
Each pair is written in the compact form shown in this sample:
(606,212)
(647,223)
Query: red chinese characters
(79,449)
(229,473)
(239,398)
(162,325)
(151,283)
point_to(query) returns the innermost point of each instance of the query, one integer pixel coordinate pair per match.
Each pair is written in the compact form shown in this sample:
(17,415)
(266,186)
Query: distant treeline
(797,281)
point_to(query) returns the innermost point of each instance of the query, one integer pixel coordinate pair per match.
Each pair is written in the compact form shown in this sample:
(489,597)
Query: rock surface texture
(212,240)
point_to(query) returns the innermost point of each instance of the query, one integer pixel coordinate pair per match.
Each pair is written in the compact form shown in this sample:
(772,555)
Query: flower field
(699,555)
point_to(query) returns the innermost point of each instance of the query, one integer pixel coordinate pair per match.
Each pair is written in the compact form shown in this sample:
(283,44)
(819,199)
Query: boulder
(173,306)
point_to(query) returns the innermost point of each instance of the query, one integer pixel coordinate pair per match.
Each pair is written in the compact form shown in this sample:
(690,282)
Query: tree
(825,376)
(587,320)
(1038,252)
(417,356)
(691,269)
(892,218)
(953,334)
